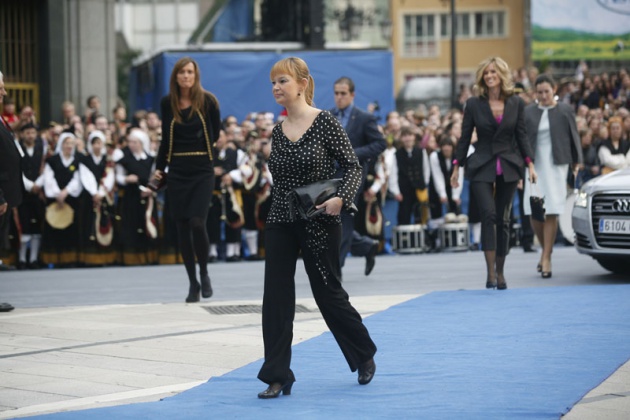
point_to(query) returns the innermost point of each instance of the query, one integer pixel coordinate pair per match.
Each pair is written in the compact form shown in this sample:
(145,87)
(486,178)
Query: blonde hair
(503,70)
(297,69)
(197,93)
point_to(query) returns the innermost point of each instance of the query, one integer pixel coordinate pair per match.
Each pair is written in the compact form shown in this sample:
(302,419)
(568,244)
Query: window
(420,36)
(462,28)
(489,24)
(484,25)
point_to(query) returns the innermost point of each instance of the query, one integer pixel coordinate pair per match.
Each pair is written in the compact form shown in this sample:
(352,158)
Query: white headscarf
(63,137)
(95,134)
(139,134)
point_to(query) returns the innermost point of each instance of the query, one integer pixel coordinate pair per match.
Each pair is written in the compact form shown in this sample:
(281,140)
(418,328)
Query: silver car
(601,220)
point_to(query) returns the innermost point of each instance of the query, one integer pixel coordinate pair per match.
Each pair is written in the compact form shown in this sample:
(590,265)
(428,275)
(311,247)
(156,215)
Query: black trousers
(5,223)
(494,201)
(407,207)
(283,243)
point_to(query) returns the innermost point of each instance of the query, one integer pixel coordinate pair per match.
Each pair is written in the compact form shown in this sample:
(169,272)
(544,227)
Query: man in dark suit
(11,186)
(368,144)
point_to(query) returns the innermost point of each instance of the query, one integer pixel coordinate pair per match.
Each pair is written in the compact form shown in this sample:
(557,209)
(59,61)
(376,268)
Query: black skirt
(190,183)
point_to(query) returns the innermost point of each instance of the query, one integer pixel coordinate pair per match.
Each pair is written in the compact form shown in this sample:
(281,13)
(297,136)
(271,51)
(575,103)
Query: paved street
(83,338)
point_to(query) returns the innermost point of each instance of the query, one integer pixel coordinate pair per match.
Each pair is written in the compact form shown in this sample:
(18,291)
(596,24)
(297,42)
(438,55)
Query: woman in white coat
(555,143)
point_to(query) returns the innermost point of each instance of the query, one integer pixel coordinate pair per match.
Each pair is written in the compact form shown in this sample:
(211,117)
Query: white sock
(251,237)
(213,251)
(233,249)
(35,241)
(24,240)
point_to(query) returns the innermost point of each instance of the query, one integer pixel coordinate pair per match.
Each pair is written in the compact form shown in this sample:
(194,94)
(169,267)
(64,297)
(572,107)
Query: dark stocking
(193,241)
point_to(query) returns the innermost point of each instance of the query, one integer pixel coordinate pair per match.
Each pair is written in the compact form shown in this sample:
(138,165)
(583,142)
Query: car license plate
(616,226)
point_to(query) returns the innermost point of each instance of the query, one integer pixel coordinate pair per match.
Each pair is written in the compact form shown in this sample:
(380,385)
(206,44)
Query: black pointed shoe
(370,258)
(366,372)
(193,293)
(206,287)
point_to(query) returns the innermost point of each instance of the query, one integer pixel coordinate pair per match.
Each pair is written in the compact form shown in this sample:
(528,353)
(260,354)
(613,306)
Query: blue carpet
(522,353)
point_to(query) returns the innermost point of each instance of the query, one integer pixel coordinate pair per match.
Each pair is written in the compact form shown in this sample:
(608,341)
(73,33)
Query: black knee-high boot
(185,244)
(201,246)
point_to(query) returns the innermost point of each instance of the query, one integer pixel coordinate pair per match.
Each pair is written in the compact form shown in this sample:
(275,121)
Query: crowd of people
(94,169)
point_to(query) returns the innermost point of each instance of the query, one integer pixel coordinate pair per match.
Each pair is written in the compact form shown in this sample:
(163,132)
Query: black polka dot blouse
(309,159)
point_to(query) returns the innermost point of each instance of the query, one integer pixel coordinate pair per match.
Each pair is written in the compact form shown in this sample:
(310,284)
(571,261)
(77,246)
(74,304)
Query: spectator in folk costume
(441,193)
(254,184)
(414,174)
(137,234)
(226,201)
(32,209)
(97,212)
(62,187)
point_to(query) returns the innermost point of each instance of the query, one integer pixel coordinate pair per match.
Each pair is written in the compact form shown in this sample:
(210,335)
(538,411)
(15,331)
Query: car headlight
(581,200)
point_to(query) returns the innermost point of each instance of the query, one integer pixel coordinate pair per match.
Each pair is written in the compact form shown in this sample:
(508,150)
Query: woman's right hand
(455,177)
(132,179)
(158,175)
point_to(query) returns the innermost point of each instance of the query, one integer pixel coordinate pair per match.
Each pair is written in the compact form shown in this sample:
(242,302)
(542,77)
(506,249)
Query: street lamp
(386,29)
(453,55)
(350,22)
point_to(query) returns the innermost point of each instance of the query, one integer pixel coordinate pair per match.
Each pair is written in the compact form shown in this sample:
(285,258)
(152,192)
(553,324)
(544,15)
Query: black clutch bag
(302,200)
(155,185)
(537,204)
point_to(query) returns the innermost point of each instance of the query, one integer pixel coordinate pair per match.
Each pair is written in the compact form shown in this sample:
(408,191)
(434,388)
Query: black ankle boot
(206,287)
(193,293)
(274,390)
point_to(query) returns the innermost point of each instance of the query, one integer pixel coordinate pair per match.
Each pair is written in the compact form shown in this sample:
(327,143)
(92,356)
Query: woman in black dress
(304,149)
(191,123)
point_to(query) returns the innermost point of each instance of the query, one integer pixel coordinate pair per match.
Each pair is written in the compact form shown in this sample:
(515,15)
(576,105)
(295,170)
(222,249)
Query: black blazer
(565,141)
(11,185)
(506,140)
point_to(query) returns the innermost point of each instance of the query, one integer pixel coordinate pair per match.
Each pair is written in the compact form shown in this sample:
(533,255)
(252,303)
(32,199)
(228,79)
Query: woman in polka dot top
(306,147)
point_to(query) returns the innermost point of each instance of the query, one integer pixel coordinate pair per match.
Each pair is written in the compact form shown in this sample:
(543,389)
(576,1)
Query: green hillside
(568,44)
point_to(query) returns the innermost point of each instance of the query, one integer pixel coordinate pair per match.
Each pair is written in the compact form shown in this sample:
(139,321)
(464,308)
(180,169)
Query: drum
(409,239)
(564,221)
(454,236)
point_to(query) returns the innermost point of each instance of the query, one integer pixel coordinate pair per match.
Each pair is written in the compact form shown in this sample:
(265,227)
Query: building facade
(421,37)
(58,50)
